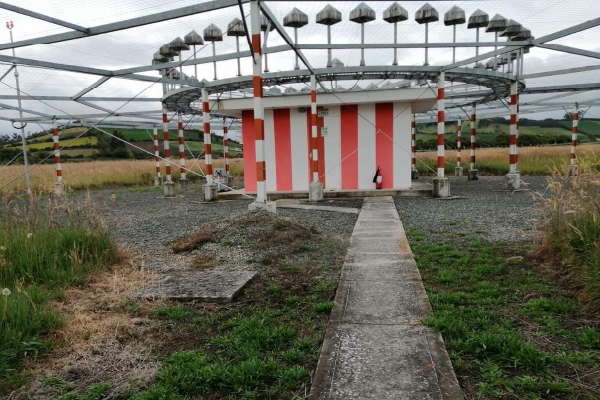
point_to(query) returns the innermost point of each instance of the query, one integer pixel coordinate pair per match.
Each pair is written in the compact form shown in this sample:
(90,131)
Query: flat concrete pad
(376,346)
(295,204)
(207,286)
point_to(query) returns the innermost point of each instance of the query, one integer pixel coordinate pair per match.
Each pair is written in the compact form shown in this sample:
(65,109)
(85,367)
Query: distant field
(82,141)
(532,160)
(98,174)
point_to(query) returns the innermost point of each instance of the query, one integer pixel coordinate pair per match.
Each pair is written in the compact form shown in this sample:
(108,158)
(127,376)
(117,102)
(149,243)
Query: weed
(590,339)
(173,313)
(274,289)
(129,306)
(324,307)
(325,286)
(292,268)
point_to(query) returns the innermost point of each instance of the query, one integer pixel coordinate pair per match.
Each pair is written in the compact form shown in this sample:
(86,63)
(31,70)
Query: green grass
(42,251)
(510,333)
(255,354)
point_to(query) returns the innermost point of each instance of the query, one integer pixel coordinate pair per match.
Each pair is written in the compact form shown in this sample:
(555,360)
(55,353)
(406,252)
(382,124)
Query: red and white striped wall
(359,139)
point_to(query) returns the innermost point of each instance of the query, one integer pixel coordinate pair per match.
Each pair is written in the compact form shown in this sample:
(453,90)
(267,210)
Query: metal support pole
(314,137)
(237,46)
(395,42)
(214,62)
(207,137)
(513,129)
(259,125)
(426,41)
(183,182)
(362,42)
(441,131)
(476,47)
(180,71)
(573,161)
(10,25)
(296,66)
(169,186)
(329,43)
(226,146)
(158,178)
(453,41)
(58,187)
(413,149)
(196,65)
(473,173)
(458,171)
(495,49)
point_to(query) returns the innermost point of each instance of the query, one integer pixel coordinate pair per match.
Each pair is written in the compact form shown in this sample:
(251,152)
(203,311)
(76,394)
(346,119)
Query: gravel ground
(483,210)
(146,222)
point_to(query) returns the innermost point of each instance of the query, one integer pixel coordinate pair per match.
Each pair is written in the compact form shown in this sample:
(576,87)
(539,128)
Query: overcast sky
(135,47)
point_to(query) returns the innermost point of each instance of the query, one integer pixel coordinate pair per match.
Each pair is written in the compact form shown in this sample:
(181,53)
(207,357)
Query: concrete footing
(184,184)
(158,181)
(315,192)
(414,174)
(59,189)
(572,170)
(169,189)
(441,187)
(513,181)
(458,171)
(268,206)
(473,175)
(211,192)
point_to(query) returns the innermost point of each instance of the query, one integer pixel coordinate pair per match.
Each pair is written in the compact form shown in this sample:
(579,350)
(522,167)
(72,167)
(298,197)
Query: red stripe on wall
(384,145)
(283,148)
(249,150)
(349,144)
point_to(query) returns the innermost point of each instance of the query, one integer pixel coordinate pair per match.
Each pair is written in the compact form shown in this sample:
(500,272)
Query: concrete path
(375,346)
(285,203)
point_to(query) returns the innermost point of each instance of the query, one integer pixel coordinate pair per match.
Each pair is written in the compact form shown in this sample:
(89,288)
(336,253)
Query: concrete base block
(158,181)
(458,171)
(572,170)
(211,192)
(315,192)
(473,175)
(184,184)
(268,206)
(414,174)
(441,187)
(513,181)
(169,188)
(59,189)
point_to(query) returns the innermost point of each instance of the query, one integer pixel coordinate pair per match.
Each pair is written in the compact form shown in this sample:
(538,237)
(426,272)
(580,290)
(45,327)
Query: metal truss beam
(25,110)
(91,87)
(127,24)
(43,17)
(571,50)
(68,98)
(561,72)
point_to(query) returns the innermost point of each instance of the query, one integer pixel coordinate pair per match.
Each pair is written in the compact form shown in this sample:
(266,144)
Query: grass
(99,174)
(572,232)
(82,141)
(43,250)
(509,331)
(532,160)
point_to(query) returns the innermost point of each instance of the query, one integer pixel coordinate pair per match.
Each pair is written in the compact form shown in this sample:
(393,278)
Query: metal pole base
(184,184)
(441,187)
(268,206)
(473,175)
(169,189)
(59,189)
(158,181)
(315,192)
(458,171)
(573,171)
(513,181)
(211,192)
(414,174)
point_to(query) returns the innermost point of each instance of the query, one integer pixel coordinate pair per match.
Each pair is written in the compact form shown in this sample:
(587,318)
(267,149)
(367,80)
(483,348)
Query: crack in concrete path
(376,346)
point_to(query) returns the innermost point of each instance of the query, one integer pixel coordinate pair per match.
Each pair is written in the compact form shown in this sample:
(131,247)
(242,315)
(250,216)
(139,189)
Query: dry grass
(193,241)
(98,174)
(98,341)
(532,160)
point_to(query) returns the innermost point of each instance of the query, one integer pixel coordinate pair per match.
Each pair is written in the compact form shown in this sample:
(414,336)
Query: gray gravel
(482,211)
(146,223)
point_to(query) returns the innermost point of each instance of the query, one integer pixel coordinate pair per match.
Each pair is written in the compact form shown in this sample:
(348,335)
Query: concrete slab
(376,346)
(295,204)
(207,286)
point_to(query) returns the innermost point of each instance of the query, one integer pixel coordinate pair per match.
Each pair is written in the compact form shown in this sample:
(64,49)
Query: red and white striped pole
(157,178)
(441,145)
(226,146)
(166,145)
(183,182)
(513,129)
(314,137)
(207,137)
(573,161)
(473,173)
(58,187)
(259,124)
(517,126)
(458,171)
(413,149)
